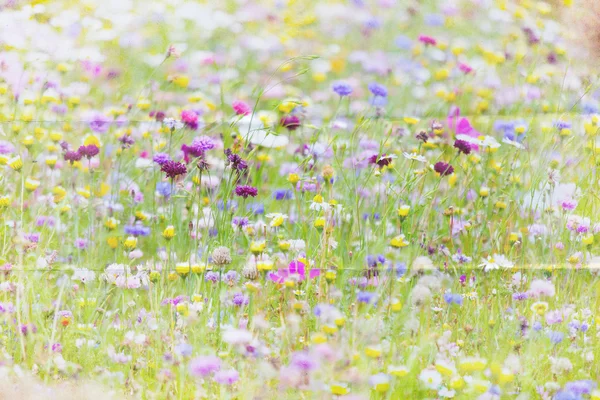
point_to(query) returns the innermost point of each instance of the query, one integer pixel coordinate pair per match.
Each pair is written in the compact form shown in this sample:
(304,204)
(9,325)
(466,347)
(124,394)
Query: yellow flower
(111,223)
(182,268)
(539,307)
(169,232)
(257,247)
(15,163)
(56,136)
(284,245)
(4,201)
(396,305)
(411,120)
(31,184)
(484,191)
(373,351)
(330,275)
(293,178)
(403,210)
(51,161)
(28,141)
(198,268)
(112,242)
(130,243)
(339,389)
(587,239)
(398,241)
(319,223)
(182,81)
(398,371)
(472,364)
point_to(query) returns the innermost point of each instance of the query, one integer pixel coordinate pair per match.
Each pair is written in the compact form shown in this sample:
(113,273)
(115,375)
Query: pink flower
(461,125)
(427,40)
(295,269)
(241,108)
(465,68)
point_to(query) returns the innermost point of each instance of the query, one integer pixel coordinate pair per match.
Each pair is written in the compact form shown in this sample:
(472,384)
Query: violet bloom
(462,146)
(6,147)
(204,365)
(295,269)
(100,123)
(161,158)
(240,300)
(241,107)
(190,119)
(235,161)
(228,377)
(80,243)
(245,191)
(443,168)
(378,90)
(427,40)
(342,89)
(72,156)
(173,169)
(211,276)
(88,151)
(304,361)
(198,147)
(291,122)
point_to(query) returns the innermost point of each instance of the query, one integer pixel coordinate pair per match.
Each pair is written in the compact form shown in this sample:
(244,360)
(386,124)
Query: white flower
(415,157)
(496,261)
(265,138)
(83,275)
(513,143)
(172,123)
(483,141)
(445,392)
(430,378)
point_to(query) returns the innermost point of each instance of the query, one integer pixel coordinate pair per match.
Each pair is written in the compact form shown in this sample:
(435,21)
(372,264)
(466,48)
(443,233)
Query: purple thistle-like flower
(100,123)
(382,161)
(291,122)
(378,90)
(235,161)
(462,146)
(198,147)
(72,156)
(245,191)
(160,158)
(342,89)
(204,365)
(443,168)
(211,277)
(228,377)
(88,151)
(173,169)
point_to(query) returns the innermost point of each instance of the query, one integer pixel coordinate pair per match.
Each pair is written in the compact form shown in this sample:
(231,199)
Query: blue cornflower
(163,189)
(342,89)
(556,337)
(378,90)
(453,298)
(283,194)
(256,208)
(537,326)
(137,230)
(366,297)
(403,42)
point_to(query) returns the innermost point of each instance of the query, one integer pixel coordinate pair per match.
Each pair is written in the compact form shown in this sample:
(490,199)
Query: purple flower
(556,337)
(240,300)
(6,147)
(173,169)
(304,362)
(235,161)
(88,151)
(137,230)
(161,158)
(245,191)
(463,146)
(100,123)
(80,243)
(198,147)
(204,365)
(291,122)
(184,349)
(211,276)
(378,90)
(228,377)
(342,89)
(57,348)
(72,156)
(443,168)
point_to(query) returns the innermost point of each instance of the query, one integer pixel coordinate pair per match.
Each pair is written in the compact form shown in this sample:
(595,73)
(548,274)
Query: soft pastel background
(367,199)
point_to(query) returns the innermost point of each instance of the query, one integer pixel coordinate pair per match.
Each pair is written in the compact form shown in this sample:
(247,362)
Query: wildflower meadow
(299,199)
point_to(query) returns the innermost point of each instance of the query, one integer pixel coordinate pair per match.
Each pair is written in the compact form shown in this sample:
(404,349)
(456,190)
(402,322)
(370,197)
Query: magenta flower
(241,108)
(291,122)
(427,40)
(204,365)
(88,151)
(461,125)
(173,169)
(100,123)
(295,269)
(245,191)
(190,119)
